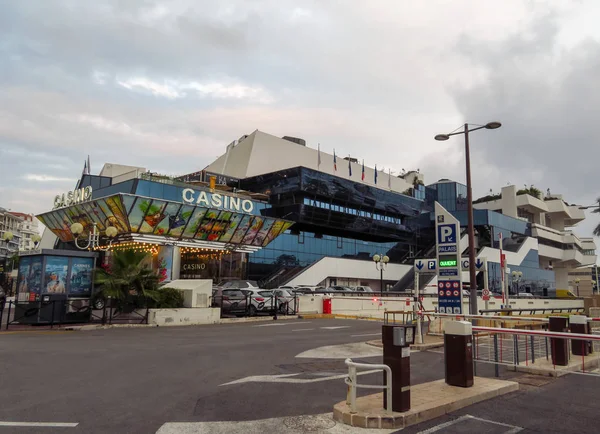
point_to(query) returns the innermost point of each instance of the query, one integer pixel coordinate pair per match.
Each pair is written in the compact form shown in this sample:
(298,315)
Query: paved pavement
(208,378)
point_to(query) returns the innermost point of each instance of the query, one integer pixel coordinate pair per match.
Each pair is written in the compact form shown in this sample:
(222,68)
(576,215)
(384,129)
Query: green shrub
(169,298)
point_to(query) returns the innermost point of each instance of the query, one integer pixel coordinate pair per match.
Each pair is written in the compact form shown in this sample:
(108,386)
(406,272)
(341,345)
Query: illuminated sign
(73,197)
(217,200)
(447,261)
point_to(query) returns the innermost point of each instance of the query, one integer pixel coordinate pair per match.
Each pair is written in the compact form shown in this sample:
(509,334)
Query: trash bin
(326,305)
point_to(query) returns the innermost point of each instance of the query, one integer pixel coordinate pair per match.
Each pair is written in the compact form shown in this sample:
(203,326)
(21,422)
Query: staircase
(280,277)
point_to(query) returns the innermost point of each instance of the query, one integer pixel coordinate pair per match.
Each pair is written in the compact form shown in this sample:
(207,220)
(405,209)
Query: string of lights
(132,245)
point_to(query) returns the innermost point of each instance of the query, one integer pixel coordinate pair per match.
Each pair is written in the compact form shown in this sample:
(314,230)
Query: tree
(128,279)
(597,211)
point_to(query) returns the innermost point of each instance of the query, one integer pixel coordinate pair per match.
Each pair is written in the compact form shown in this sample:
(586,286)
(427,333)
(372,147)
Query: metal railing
(352,383)
(255,305)
(518,348)
(533,310)
(60,312)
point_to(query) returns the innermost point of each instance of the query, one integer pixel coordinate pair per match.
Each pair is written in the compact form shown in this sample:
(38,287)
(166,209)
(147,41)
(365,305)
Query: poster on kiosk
(447,229)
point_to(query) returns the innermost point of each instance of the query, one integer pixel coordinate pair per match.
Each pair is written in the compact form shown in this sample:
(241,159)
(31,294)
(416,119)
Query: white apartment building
(9,224)
(29,230)
(551,219)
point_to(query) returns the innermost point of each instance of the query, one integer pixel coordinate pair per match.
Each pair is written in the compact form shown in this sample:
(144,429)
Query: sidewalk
(429,341)
(428,401)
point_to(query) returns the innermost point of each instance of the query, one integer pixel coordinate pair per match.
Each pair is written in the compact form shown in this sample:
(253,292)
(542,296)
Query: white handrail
(352,382)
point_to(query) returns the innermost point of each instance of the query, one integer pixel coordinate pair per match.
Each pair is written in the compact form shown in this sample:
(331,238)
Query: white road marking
(343,351)
(335,328)
(444,425)
(367,334)
(319,423)
(41,424)
(301,330)
(515,429)
(285,378)
(275,323)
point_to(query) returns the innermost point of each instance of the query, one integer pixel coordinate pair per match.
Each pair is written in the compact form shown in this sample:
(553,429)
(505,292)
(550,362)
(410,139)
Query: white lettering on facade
(234,203)
(188,195)
(216,200)
(202,199)
(192,267)
(73,197)
(247,206)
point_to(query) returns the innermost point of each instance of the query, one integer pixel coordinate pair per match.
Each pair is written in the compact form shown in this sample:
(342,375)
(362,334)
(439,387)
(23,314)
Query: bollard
(458,353)
(396,355)
(579,324)
(560,349)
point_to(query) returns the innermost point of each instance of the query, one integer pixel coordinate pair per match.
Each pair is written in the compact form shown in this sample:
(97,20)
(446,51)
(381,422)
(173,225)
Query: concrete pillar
(509,200)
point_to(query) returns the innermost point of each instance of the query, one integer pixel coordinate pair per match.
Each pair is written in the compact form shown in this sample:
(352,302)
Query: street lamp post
(577,285)
(380,263)
(471,226)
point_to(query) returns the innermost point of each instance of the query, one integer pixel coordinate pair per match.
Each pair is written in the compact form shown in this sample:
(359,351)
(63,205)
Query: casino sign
(205,221)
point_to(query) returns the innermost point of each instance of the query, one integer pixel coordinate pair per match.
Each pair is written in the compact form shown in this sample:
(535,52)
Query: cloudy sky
(167,84)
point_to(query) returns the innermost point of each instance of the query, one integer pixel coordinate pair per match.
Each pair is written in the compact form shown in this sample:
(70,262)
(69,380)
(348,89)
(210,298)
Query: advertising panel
(23,279)
(35,277)
(56,275)
(81,277)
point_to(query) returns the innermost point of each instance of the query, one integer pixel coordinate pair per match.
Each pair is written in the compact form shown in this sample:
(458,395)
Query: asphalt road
(134,380)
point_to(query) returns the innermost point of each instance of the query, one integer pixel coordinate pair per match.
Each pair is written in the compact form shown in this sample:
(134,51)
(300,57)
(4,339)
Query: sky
(168,84)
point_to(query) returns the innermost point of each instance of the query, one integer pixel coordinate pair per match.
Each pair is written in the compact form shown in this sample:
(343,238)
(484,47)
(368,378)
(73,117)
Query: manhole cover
(534,380)
(309,423)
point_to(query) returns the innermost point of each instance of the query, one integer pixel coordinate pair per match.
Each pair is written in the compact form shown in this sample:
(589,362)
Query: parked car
(285,300)
(338,288)
(261,300)
(309,289)
(525,295)
(231,301)
(363,289)
(288,287)
(238,284)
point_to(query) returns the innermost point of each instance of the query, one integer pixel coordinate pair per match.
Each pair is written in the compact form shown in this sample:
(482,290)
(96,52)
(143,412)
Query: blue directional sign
(427,265)
(447,229)
(480,264)
(446,234)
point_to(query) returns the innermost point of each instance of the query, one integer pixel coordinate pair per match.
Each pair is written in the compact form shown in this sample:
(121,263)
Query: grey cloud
(372,79)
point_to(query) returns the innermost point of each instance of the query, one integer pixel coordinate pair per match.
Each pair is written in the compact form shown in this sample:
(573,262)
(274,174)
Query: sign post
(447,230)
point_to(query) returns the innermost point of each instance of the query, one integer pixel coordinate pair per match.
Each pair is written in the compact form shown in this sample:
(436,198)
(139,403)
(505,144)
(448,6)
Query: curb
(89,327)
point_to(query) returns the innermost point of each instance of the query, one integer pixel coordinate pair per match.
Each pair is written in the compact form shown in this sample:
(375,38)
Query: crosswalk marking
(335,328)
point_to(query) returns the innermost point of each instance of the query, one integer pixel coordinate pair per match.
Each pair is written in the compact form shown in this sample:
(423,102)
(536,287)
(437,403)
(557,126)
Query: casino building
(276,211)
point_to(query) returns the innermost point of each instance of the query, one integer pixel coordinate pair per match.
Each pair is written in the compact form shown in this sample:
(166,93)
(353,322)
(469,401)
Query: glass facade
(535,280)
(333,217)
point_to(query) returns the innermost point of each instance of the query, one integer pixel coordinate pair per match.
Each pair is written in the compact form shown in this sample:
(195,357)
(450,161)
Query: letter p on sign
(447,234)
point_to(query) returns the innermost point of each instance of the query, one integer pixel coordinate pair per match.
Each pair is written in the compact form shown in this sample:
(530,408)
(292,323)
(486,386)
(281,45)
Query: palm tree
(597,211)
(129,278)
